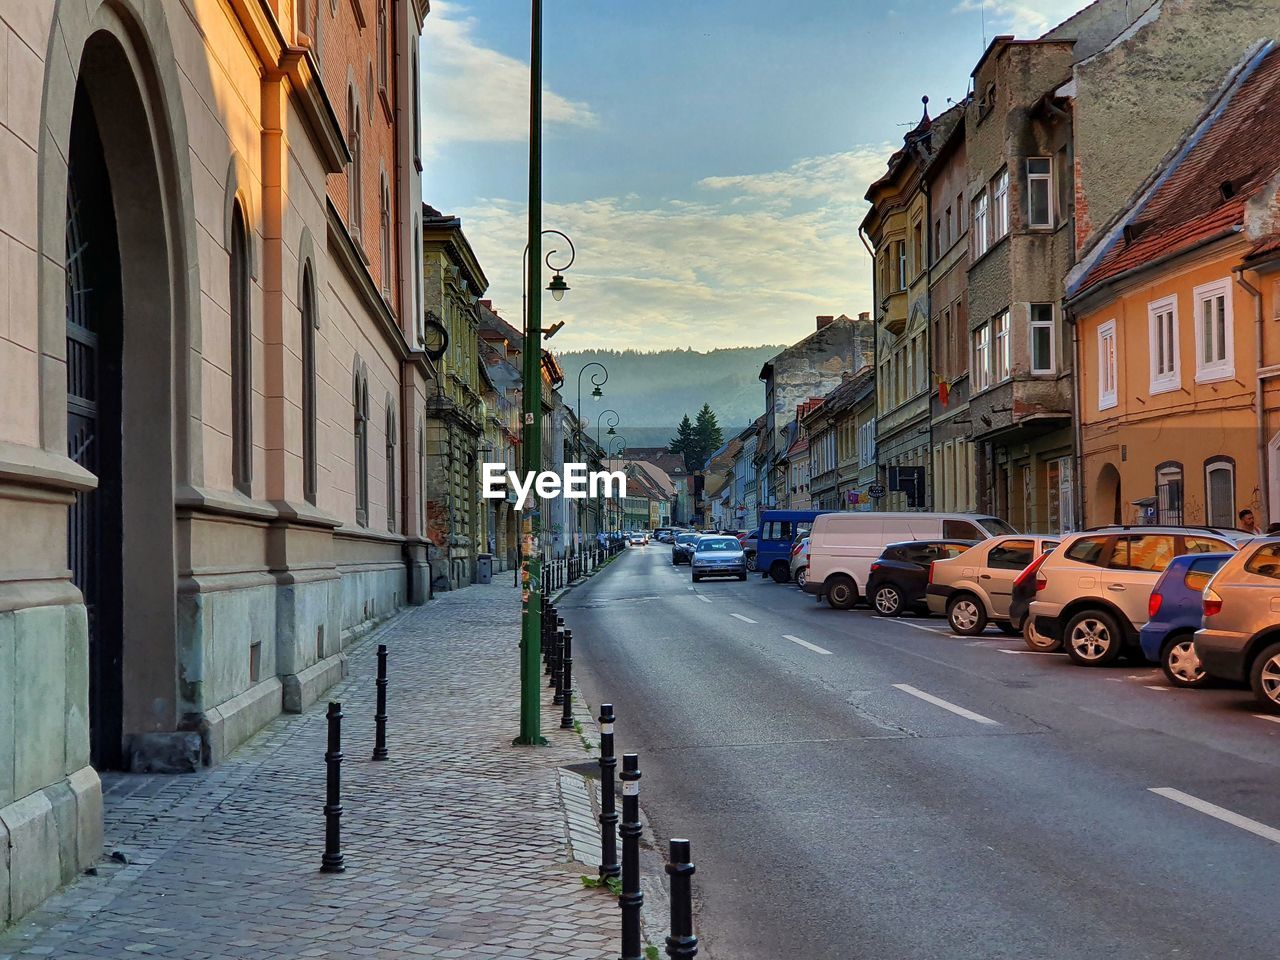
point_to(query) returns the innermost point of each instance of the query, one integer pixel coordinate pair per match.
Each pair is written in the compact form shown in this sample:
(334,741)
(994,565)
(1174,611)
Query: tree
(706,437)
(683,441)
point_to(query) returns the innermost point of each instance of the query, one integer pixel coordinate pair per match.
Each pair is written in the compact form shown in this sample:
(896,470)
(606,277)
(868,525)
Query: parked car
(842,546)
(682,549)
(976,588)
(664,534)
(1240,636)
(1024,591)
(897,579)
(718,557)
(800,562)
(779,531)
(749,542)
(1092,592)
(1173,617)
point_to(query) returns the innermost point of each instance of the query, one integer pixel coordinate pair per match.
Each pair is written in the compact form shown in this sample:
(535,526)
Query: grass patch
(614,884)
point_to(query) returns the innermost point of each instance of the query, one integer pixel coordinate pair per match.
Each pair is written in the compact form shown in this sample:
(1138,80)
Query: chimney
(824,322)
(864,317)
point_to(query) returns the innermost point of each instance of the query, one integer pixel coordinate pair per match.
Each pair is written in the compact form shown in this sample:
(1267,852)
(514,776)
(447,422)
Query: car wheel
(887,600)
(1181,666)
(802,577)
(1037,641)
(779,572)
(1264,677)
(842,594)
(696,578)
(743,575)
(751,561)
(1093,639)
(966,615)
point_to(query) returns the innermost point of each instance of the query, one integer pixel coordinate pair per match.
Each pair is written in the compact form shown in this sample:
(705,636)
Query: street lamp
(598,380)
(614,419)
(617,447)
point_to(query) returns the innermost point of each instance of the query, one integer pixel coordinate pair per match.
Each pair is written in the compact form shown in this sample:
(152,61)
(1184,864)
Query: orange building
(1176,340)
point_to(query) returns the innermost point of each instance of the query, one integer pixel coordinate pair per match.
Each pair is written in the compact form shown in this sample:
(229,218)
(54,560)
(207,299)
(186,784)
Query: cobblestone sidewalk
(455,847)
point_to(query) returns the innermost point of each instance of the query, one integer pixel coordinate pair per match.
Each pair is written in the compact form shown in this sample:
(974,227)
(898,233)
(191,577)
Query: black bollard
(608,808)
(331,862)
(548,618)
(566,682)
(631,899)
(380,711)
(681,944)
(555,653)
(558,676)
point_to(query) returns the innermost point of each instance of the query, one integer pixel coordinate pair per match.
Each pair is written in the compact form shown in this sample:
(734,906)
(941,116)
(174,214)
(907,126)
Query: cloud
(472,93)
(1023,18)
(751,258)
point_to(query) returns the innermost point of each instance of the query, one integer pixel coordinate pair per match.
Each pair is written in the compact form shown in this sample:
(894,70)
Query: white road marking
(918,626)
(1032,653)
(1264,716)
(690,587)
(1156,686)
(1220,813)
(742,618)
(704,599)
(806,644)
(946,705)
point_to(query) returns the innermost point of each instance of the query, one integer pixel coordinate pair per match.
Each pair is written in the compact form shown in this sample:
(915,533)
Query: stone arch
(1106,507)
(307,258)
(238,182)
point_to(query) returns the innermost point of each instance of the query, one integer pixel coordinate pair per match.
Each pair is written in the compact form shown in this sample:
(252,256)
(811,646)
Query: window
(952,233)
(1059,494)
(1011,555)
(917,250)
(1003,366)
(982,357)
(354,202)
(1205,545)
(1215,349)
(360,431)
(384,237)
(1220,492)
(1265,562)
(1108,374)
(961,530)
(1169,491)
(422,465)
(1039,192)
(309,323)
(417,120)
(1087,550)
(1151,552)
(902,264)
(937,239)
(1000,205)
(384,54)
(1043,340)
(981,238)
(241,357)
(391,465)
(1162,331)
(1200,572)
(959,214)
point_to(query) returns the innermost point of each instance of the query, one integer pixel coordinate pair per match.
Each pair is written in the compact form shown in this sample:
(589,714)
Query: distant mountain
(652,390)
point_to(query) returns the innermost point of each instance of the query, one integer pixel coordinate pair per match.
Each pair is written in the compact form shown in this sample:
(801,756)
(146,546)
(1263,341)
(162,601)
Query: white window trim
(1107,400)
(1048,180)
(1167,382)
(1052,325)
(1001,348)
(1222,369)
(1000,204)
(1211,468)
(980,217)
(980,372)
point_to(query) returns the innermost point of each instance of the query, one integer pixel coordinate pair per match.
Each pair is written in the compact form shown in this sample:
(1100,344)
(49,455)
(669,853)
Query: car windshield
(687,538)
(719,543)
(995,526)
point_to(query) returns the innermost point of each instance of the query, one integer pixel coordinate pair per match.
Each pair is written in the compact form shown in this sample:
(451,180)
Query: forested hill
(652,390)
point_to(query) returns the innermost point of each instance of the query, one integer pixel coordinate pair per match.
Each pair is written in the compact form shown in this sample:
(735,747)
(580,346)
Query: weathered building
(210,327)
(841,435)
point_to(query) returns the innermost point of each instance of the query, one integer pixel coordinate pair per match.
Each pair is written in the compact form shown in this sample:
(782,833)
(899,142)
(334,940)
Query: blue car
(1173,617)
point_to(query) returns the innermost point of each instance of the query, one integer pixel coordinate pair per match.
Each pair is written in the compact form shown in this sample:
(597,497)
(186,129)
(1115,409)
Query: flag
(944,391)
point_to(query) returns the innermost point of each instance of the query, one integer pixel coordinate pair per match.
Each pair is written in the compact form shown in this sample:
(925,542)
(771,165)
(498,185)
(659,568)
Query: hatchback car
(718,557)
(977,587)
(637,539)
(898,578)
(1092,592)
(1173,617)
(800,562)
(682,549)
(1240,636)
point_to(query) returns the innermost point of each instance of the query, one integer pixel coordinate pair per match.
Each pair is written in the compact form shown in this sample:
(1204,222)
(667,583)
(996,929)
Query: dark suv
(899,577)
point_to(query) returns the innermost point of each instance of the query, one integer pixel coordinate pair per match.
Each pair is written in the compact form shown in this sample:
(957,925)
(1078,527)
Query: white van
(842,546)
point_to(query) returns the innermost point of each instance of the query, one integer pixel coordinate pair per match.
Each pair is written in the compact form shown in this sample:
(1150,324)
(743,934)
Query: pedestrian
(1247,523)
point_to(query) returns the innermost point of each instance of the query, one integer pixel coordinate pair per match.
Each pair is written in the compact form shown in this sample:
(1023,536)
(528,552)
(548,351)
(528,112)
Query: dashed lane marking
(946,705)
(918,626)
(1156,686)
(806,644)
(1032,653)
(742,618)
(1264,716)
(1219,813)
(704,599)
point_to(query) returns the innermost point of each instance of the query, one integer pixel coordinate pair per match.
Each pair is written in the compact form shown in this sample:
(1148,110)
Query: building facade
(211,347)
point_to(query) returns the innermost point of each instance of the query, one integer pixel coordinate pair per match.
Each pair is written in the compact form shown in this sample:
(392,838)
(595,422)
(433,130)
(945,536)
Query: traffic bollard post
(558,673)
(608,803)
(331,862)
(566,682)
(380,711)
(631,899)
(554,641)
(681,943)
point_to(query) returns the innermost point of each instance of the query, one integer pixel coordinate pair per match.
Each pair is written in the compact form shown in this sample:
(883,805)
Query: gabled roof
(1201,191)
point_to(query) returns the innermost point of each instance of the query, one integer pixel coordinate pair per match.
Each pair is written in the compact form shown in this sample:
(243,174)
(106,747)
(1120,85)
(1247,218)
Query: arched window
(360,405)
(241,357)
(310,317)
(391,464)
(384,236)
(1169,490)
(383,52)
(354,203)
(422,464)
(1220,492)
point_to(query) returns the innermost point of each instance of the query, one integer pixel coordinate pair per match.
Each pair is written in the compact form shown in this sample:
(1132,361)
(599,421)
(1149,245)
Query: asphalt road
(856,787)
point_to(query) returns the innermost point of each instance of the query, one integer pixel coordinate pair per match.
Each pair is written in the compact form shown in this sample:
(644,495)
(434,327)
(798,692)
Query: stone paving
(458,846)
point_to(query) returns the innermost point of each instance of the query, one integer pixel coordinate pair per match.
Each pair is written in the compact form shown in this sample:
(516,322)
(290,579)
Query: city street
(856,787)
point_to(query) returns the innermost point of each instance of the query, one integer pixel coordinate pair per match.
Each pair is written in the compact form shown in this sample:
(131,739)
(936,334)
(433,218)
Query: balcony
(1021,409)
(893,312)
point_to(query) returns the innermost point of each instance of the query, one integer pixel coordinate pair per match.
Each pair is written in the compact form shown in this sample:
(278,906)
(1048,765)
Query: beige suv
(1239,638)
(1092,592)
(976,587)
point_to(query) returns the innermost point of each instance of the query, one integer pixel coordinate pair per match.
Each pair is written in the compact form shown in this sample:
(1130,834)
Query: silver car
(718,557)
(800,562)
(976,588)
(1239,637)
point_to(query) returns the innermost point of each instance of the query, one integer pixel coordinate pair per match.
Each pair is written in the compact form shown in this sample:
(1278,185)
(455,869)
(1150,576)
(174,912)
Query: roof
(1200,193)
(845,396)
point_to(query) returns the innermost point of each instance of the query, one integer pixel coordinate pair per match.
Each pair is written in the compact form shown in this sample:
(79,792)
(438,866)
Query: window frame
(1051,325)
(1001,348)
(1217,369)
(310,320)
(1107,399)
(241,333)
(980,233)
(1215,465)
(980,357)
(1163,381)
(391,438)
(1000,205)
(1046,179)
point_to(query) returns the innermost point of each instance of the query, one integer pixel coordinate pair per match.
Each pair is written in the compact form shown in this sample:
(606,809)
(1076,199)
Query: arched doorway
(1106,497)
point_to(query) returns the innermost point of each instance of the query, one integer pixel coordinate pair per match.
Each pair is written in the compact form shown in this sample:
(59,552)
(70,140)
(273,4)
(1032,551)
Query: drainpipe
(875,349)
(1264,481)
(1077,433)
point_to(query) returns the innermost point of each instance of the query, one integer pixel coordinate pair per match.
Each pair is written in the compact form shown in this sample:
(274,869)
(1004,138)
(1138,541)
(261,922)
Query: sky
(707,157)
